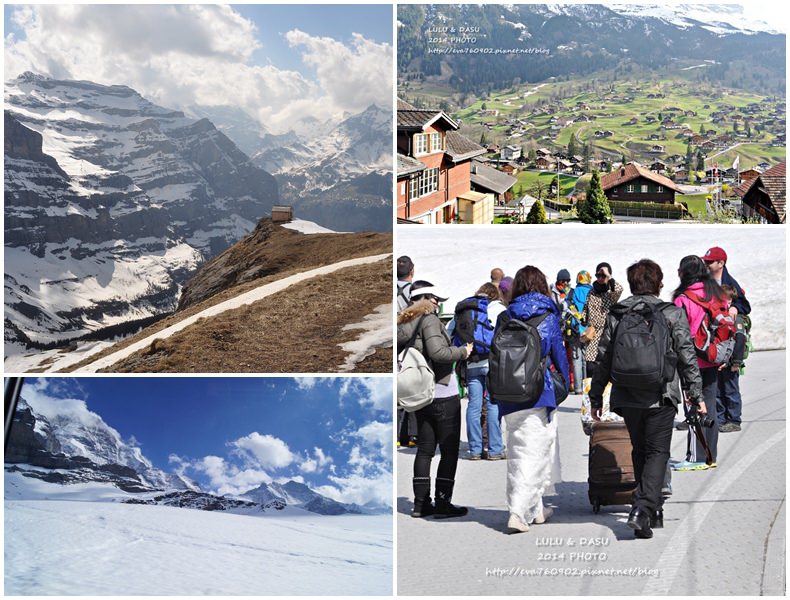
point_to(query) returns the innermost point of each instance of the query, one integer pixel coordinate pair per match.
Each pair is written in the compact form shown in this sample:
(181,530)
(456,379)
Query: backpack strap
(413,338)
(402,292)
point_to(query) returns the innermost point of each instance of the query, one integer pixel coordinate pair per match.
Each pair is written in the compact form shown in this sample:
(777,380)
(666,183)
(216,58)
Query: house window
(660,189)
(436,142)
(420,144)
(644,188)
(630,188)
(426,183)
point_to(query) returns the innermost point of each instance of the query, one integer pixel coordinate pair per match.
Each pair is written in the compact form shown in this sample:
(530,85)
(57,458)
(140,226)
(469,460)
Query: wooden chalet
(433,165)
(765,197)
(282,214)
(634,183)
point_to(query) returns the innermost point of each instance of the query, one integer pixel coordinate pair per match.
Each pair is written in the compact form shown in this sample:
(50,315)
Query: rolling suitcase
(611,470)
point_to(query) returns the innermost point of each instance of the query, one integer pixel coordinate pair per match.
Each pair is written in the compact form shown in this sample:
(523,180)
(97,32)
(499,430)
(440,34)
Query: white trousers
(533,460)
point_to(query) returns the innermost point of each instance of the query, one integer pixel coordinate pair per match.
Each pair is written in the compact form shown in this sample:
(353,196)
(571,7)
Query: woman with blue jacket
(533,452)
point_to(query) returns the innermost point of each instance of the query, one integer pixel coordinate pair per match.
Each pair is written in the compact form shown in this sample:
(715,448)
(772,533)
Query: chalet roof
(459,147)
(403,105)
(773,183)
(632,171)
(491,179)
(408,165)
(415,119)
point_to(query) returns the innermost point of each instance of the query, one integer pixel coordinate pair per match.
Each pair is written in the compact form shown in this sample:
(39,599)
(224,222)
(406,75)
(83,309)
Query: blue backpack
(473,325)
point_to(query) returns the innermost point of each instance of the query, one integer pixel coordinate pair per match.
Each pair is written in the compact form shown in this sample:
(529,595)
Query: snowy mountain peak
(294,493)
(722,19)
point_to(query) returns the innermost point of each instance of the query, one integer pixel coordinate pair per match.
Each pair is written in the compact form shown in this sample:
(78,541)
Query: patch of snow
(376,333)
(307,227)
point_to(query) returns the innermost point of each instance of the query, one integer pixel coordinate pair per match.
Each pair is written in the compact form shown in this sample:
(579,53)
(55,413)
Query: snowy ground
(460,259)
(376,332)
(102,547)
(308,227)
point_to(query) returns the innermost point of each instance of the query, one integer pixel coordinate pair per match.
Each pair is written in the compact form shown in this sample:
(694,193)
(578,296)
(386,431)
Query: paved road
(724,528)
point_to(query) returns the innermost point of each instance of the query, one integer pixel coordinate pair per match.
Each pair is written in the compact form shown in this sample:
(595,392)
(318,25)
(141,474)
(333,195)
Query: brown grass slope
(270,253)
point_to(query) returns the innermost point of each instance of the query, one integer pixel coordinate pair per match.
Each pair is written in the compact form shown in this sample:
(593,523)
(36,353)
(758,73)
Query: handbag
(416,383)
(560,385)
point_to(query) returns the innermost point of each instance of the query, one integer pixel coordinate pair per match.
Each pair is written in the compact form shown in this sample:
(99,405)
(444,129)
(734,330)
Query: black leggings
(438,424)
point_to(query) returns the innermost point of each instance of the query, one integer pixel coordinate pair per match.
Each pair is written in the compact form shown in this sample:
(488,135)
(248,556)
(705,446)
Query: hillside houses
(634,183)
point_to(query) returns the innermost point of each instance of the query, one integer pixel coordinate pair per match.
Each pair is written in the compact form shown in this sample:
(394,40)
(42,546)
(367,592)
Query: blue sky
(332,433)
(278,63)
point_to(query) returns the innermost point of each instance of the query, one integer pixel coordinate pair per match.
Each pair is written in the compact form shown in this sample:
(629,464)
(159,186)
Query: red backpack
(714,339)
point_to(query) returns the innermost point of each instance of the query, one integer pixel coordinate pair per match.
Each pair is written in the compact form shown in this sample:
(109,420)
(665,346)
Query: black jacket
(741,303)
(687,367)
(432,340)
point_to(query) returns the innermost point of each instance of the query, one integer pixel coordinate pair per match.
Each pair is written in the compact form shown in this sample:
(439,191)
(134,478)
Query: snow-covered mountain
(299,495)
(66,435)
(110,203)
(724,19)
(340,177)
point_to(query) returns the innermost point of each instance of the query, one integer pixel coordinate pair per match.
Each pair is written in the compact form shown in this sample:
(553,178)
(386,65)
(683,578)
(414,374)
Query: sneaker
(690,466)
(729,427)
(412,442)
(475,456)
(397,444)
(544,515)
(516,525)
(681,426)
(500,456)
(712,465)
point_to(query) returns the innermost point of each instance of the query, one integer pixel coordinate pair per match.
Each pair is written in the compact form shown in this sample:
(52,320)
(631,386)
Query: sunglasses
(600,275)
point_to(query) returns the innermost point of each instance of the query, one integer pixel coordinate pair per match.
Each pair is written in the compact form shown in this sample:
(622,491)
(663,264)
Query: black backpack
(473,325)
(516,366)
(641,348)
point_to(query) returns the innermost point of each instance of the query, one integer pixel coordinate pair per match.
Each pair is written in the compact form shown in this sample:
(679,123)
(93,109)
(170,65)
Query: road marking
(247,298)
(671,560)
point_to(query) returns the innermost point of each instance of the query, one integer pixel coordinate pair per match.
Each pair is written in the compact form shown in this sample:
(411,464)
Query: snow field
(78,548)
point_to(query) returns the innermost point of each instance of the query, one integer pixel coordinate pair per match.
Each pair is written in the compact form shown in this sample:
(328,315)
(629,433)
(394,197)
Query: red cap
(715,253)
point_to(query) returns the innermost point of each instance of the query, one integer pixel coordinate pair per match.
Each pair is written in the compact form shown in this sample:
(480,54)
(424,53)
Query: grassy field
(614,104)
(695,203)
(527,179)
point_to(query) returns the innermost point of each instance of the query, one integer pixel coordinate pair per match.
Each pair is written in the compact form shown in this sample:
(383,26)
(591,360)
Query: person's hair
(530,279)
(729,291)
(645,278)
(693,269)
(604,264)
(490,291)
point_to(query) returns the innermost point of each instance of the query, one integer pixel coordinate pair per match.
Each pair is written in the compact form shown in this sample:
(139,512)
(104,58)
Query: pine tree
(537,214)
(688,157)
(595,208)
(483,140)
(623,160)
(700,161)
(587,153)
(572,146)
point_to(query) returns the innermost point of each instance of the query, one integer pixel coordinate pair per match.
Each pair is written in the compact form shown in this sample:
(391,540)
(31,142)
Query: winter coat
(595,311)
(560,297)
(523,308)
(741,303)
(687,372)
(432,340)
(695,314)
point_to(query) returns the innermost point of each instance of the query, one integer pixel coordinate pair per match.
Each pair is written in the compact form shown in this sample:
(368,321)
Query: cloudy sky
(232,434)
(276,62)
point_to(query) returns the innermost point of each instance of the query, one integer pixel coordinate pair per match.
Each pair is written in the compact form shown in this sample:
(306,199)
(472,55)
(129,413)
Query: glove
(611,284)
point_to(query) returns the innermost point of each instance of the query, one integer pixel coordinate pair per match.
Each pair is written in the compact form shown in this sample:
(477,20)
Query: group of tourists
(519,345)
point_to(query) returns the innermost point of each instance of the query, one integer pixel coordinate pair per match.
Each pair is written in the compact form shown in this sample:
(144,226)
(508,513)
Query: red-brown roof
(632,171)
(772,182)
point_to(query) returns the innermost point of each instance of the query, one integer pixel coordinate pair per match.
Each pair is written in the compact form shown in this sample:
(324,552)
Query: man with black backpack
(646,351)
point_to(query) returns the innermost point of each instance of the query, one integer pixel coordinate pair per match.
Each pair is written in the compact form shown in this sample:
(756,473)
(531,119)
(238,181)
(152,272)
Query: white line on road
(671,560)
(246,298)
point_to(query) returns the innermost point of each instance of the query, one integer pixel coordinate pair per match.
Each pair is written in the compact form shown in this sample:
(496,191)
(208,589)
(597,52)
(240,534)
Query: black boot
(422,497)
(444,493)
(657,520)
(639,521)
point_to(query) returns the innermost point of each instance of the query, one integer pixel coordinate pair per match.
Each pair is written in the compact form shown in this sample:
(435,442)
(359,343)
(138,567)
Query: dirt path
(244,299)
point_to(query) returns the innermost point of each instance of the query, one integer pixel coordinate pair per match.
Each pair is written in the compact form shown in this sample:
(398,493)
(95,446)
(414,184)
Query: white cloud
(226,478)
(317,463)
(183,55)
(376,436)
(373,392)
(265,451)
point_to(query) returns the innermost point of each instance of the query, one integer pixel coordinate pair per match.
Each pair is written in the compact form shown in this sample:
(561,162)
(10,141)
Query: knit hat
(404,266)
(715,253)
(564,275)
(583,278)
(506,284)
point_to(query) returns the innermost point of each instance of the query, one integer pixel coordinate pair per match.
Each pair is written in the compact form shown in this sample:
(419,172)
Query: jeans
(650,430)
(579,368)
(407,426)
(728,400)
(438,424)
(476,384)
